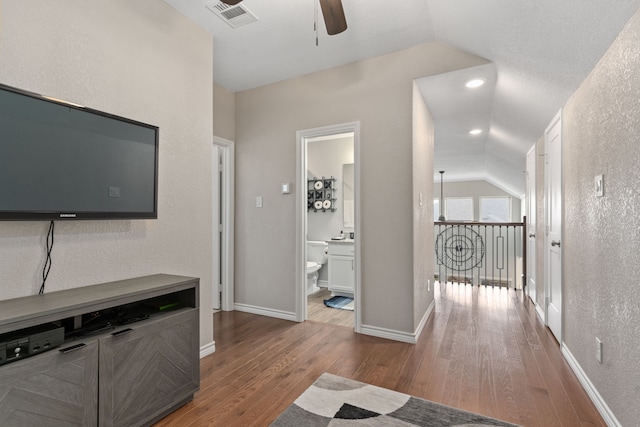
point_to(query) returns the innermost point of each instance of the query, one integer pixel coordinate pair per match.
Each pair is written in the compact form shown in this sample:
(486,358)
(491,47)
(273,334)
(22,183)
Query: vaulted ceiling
(540,51)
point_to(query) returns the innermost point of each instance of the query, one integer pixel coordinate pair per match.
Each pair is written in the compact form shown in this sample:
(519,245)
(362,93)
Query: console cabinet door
(147,369)
(52,389)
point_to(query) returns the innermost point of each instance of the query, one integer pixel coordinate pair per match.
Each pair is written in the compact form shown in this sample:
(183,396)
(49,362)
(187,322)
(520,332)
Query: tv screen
(64,161)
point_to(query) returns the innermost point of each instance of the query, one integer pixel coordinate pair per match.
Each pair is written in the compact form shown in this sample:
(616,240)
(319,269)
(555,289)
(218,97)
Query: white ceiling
(540,50)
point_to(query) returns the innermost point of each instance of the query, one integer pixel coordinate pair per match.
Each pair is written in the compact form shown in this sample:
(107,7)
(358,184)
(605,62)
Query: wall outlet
(598,350)
(258,201)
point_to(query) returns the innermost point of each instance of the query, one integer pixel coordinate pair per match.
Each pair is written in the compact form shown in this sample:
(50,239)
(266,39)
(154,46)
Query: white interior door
(553,224)
(530,201)
(217,200)
(223,159)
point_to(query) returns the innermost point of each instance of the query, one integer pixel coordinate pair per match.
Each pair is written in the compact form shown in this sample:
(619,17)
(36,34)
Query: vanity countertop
(343,241)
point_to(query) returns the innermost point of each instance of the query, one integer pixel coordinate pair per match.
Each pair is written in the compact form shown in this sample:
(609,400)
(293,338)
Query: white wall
(138,59)
(378,93)
(477,189)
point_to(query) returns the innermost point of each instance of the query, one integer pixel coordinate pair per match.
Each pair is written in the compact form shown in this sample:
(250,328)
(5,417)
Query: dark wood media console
(130,354)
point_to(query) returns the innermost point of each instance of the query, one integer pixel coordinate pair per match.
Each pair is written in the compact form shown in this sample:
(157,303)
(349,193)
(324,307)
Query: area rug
(343,303)
(337,401)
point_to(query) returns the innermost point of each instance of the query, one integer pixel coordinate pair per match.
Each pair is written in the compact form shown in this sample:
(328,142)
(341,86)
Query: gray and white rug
(335,401)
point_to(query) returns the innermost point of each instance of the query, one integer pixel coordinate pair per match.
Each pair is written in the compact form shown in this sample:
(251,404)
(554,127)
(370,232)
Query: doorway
(324,220)
(222,161)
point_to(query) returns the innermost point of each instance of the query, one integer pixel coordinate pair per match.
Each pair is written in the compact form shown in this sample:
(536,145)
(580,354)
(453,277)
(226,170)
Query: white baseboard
(278,314)
(591,390)
(424,319)
(540,312)
(207,349)
(389,334)
(401,336)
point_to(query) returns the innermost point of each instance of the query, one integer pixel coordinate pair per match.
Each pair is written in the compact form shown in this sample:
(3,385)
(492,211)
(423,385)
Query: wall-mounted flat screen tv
(65,161)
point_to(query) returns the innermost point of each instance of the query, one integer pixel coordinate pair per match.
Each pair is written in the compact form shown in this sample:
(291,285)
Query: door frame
(530,232)
(227,148)
(301,218)
(557,120)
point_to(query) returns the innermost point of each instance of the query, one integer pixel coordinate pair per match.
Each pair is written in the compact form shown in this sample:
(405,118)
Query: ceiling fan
(332,11)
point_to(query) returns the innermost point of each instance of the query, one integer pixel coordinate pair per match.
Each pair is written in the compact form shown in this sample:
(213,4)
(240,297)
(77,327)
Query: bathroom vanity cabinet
(130,354)
(341,263)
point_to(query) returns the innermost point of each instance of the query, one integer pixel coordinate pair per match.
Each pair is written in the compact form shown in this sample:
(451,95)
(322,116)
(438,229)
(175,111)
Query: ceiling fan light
(475,131)
(474,83)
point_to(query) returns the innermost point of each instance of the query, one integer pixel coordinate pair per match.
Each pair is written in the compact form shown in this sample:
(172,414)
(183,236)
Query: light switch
(599,185)
(258,201)
(286,188)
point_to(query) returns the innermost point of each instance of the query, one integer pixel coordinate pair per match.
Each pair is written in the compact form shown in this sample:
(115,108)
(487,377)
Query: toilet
(316,257)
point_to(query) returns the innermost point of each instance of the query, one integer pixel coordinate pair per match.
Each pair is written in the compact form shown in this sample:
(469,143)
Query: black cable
(47,263)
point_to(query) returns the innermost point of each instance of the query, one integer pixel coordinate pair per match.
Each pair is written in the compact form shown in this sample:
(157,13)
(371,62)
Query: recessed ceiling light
(474,83)
(475,131)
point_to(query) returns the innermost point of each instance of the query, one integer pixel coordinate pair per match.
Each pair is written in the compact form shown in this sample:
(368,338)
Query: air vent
(236,16)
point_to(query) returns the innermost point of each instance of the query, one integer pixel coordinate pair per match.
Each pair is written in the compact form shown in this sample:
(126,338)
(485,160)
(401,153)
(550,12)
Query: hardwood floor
(317,311)
(482,350)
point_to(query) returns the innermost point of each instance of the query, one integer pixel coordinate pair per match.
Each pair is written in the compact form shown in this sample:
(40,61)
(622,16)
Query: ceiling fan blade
(231,2)
(334,17)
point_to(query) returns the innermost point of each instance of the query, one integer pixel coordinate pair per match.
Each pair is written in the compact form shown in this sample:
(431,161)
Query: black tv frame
(15,215)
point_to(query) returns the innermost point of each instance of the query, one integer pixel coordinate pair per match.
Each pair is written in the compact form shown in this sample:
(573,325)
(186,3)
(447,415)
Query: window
(495,209)
(459,209)
(436,209)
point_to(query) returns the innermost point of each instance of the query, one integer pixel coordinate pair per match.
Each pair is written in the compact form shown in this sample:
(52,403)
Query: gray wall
(378,92)
(224,112)
(138,59)
(601,127)
(423,256)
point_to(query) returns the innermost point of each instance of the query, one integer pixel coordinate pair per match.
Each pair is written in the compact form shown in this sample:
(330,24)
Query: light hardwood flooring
(483,350)
(318,312)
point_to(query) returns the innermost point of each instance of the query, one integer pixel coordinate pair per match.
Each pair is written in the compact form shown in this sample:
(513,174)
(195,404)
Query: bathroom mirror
(348,195)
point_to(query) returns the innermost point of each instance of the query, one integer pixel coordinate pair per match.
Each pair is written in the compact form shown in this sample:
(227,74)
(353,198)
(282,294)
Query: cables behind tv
(47,263)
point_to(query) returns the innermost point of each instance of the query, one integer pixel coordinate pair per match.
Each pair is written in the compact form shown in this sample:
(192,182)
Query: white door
(530,200)
(553,224)
(216,172)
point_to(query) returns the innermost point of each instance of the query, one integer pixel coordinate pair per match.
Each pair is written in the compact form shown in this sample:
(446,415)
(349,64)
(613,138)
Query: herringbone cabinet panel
(52,389)
(145,371)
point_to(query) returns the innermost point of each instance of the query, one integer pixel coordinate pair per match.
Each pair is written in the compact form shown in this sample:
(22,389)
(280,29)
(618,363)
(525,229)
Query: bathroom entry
(328,224)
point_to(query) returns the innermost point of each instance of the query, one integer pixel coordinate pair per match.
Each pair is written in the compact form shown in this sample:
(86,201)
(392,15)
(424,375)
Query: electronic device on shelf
(29,342)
